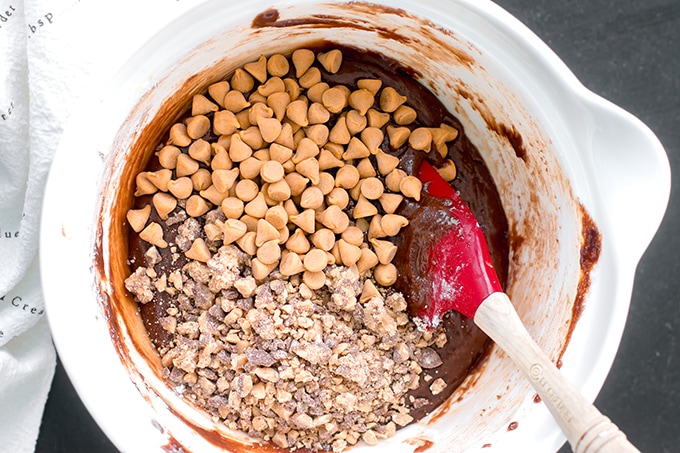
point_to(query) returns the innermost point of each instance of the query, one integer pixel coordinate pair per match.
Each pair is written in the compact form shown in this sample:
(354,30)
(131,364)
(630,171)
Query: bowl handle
(633,176)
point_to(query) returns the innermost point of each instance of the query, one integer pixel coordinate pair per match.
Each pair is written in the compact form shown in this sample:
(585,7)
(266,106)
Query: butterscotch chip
(411,186)
(232,207)
(235,102)
(186,166)
(372,85)
(306,148)
(291,263)
(137,218)
(167,156)
(404,115)
(197,126)
(201,180)
(331,60)
(246,190)
(160,178)
(247,242)
(296,111)
(164,204)
(223,180)
(311,198)
(196,206)
(201,151)
(277,217)
(250,222)
(398,136)
(213,195)
(279,191)
(315,92)
(280,153)
(326,183)
(314,280)
(372,188)
(218,90)
(181,187)
(257,69)
(376,118)
(257,207)
(356,149)
(334,99)
(323,239)
(349,253)
(272,85)
(368,260)
(310,78)
(238,149)
(261,270)
(178,135)
(201,105)
(270,128)
(310,169)
(338,197)
(302,60)
(278,102)
(298,242)
(420,139)
(386,162)
(143,185)
(221,159)
(277,65)
(198,251)
(393,223)
(390,201)
(315,260)
(356,122)
(318,133)
(448,170)
(339,132)
(269,252)
(253,138)
(375,229)
(347,177)
(296,182)
(390,99)
(385,250)
(364,208)
(353,235)
(394,178)
(242,81)
(327,160)
(317,113)
(265,232)
(153,234)
(306,220)
(385,275)
(361,100)
(271,171)
(334,218)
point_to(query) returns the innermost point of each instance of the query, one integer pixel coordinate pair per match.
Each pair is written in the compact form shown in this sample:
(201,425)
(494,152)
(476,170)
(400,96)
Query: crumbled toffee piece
(286,364)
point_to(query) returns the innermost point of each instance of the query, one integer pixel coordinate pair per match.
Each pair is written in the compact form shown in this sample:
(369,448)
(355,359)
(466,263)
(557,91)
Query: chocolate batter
(466,345)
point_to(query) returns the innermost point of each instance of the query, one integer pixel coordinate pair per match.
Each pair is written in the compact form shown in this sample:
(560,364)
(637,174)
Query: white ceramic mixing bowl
(560,155)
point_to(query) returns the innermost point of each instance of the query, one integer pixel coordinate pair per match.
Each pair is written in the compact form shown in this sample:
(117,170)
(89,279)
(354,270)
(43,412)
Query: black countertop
(628,51)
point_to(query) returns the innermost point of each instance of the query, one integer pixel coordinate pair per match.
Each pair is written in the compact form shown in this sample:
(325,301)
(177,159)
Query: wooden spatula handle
(587,430)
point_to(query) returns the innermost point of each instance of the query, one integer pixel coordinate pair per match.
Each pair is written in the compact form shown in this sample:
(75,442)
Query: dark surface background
(628,51)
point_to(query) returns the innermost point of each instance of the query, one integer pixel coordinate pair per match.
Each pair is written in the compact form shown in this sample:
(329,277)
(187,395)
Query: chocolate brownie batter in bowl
(238,256)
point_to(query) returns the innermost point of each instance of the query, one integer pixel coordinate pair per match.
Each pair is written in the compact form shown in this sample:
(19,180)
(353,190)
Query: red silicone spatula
(463,278)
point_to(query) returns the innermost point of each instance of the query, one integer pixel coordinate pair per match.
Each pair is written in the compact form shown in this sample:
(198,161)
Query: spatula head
(460,270)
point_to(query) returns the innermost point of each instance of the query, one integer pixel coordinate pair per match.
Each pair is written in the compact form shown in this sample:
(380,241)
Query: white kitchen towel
(50,50)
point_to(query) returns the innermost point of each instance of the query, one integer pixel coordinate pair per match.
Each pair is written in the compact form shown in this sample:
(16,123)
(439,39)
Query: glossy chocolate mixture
(466,345)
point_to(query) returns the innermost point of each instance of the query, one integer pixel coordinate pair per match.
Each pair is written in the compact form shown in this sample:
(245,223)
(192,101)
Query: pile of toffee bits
(285,325)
